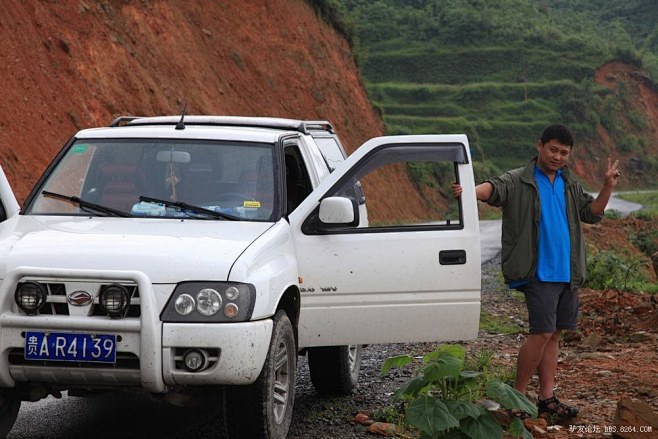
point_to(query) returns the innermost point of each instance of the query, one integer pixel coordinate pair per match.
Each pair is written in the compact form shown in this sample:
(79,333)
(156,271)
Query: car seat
(120,185)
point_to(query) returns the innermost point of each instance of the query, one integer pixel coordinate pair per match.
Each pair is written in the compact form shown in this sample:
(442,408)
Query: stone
(634,419)
(383,429)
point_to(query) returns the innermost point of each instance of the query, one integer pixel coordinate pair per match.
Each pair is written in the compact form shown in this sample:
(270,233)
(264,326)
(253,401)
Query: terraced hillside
(501,71)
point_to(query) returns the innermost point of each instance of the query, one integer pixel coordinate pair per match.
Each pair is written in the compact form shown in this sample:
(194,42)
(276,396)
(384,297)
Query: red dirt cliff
(71,64)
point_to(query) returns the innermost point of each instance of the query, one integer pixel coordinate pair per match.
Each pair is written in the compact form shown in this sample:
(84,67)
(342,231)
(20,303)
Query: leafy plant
(646,241)
(445,401)
(609,270)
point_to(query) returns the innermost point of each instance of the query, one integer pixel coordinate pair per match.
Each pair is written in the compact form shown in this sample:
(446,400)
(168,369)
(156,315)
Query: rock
(593,340)
(362,418)
(536,424)
(489,404)
(634,419)
(383,429)
(639,336)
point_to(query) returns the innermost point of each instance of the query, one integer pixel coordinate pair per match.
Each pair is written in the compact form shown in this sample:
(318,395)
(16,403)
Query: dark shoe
(555,409)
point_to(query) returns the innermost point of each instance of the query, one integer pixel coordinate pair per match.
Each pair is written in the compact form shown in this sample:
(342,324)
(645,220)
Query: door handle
(452,257)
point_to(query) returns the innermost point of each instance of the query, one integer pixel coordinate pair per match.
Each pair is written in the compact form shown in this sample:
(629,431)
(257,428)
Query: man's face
(552,155)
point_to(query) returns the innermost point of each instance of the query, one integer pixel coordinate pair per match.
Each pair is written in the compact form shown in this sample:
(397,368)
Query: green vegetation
(444,399)
(497,324)
(620,270)
(501,70)
(611,270)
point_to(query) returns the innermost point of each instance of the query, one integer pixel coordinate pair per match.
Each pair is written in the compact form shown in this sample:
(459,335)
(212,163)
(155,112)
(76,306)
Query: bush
(608,270)
(646,241)
(441,401)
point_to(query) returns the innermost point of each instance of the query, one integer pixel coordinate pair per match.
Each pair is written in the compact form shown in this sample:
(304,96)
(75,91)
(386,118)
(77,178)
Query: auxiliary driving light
(30,297)
(115,300)
(195,360)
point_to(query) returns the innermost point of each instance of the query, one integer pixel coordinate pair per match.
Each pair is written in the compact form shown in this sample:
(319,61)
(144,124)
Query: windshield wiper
(191,207)
(86,204)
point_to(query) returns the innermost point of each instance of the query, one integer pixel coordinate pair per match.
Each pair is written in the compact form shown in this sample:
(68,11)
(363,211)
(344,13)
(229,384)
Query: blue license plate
(62,346)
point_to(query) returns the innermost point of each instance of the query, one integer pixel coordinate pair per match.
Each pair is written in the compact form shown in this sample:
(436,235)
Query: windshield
(190,179)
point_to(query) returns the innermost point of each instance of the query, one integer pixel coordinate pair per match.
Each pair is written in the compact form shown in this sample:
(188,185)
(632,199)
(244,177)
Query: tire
(335,369)
(8,413)
(264,408)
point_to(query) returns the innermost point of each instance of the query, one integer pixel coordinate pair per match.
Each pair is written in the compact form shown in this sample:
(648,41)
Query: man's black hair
(561,133)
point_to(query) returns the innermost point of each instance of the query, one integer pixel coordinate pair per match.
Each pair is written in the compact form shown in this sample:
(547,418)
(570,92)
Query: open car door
(412,273)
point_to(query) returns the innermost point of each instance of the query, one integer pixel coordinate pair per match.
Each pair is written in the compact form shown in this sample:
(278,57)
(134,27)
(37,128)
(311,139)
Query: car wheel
(335,369)
(264,408)
(8,413)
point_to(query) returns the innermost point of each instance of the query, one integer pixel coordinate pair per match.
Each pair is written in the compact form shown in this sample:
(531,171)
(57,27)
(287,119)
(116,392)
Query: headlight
(200,302)
(184,304)
(208,302)
(30,297)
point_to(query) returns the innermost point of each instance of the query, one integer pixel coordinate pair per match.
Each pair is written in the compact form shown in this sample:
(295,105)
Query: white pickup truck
(195,257)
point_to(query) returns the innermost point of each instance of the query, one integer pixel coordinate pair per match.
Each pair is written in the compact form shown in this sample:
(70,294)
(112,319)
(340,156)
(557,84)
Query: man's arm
(482,191)
(611,177)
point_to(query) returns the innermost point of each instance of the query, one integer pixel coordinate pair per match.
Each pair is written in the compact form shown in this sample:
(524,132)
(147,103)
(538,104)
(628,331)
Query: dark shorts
(551,306)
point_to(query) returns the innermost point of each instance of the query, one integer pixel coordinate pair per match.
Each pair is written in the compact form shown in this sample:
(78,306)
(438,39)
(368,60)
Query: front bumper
(148,351)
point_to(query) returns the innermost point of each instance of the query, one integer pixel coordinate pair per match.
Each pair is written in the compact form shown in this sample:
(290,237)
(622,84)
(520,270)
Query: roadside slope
(75,64)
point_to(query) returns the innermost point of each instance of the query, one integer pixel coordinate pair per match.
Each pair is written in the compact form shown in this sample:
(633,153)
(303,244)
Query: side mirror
(339,211)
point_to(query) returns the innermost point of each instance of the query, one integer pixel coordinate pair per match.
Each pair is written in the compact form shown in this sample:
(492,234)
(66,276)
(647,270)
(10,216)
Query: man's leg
(531,355)
(547,367)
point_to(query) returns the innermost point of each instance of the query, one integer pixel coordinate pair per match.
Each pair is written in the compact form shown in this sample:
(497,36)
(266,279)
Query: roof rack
(302,126)
(123,120)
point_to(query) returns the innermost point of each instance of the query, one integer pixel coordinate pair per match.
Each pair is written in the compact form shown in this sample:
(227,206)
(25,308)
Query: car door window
(298,183)
(406,191)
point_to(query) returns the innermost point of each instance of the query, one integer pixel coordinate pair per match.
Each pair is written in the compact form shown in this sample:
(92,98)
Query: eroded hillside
(74,64)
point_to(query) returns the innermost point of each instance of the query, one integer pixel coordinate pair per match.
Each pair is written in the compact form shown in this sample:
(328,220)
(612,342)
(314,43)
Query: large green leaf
(463,409)
(453,350)
(411,388)
(390,363)
(468,374)
(484,427)
(442,366)
(430,415)
(454,433)
(509,397)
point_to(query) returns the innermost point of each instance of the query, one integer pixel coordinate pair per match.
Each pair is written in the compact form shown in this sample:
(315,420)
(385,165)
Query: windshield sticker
(250,203)
(79,149)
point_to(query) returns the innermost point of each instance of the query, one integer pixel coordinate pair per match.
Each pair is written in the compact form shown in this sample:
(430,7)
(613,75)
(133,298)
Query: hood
(166,250)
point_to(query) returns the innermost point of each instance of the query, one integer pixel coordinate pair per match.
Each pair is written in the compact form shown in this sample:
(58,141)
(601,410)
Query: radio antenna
(181,125)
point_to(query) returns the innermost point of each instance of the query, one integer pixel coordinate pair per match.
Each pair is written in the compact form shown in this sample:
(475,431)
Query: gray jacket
(516,192)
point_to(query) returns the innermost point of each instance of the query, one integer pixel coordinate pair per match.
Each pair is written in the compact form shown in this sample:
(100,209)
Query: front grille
(56,303)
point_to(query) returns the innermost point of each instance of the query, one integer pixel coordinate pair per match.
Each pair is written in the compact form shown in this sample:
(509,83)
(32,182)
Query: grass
(494,324)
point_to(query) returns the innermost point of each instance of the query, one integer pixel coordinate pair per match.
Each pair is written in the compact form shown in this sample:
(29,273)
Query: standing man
(543,251)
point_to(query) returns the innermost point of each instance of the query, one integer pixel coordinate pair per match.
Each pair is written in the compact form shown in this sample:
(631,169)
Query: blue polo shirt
(554,251)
